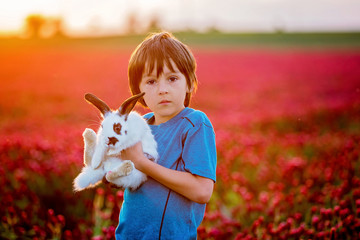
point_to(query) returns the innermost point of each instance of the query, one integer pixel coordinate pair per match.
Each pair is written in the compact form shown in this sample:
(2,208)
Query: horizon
(95,18)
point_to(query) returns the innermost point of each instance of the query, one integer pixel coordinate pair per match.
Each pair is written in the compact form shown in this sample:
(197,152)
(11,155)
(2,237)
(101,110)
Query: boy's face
(165,94)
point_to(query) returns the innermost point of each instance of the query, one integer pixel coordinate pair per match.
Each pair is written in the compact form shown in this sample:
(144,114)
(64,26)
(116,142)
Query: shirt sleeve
(199,151)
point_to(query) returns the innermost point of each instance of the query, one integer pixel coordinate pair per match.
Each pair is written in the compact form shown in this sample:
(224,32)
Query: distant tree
(213,29)
(58,27)
(154,24)
(38,26)
(132,23)
(34,24)
(279,25)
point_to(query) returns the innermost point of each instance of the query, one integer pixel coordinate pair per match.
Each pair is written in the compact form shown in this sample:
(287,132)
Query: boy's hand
(135,154)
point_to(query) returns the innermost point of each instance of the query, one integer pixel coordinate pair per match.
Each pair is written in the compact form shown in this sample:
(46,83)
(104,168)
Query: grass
(228,40)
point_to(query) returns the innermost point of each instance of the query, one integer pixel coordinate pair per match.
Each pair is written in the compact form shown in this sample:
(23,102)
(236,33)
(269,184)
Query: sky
(107,17)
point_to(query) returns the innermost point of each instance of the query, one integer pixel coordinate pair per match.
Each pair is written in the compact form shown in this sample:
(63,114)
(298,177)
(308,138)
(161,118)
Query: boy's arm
(196,188)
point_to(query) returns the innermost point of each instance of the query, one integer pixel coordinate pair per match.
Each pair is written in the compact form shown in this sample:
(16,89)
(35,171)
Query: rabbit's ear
(98,103)
(129,104)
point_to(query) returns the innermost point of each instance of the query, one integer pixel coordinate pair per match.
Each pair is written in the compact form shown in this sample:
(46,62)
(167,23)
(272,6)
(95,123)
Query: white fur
(105,160)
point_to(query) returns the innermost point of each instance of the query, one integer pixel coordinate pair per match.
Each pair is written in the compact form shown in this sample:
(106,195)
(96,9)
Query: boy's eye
(150,82)
(172,79)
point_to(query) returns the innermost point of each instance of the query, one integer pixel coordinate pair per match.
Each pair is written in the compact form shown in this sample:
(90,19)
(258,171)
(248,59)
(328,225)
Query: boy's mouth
(164,102)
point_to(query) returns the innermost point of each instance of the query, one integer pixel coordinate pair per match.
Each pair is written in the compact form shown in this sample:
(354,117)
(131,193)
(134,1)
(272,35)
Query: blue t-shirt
(185,142)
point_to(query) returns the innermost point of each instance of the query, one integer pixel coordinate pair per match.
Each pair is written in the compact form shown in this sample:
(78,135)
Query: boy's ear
(190,89)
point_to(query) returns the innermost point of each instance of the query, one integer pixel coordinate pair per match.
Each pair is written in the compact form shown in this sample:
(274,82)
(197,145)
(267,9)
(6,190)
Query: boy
(171,203)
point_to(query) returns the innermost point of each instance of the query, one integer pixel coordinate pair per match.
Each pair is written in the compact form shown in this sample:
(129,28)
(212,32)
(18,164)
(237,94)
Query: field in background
(285,109)
(210,39)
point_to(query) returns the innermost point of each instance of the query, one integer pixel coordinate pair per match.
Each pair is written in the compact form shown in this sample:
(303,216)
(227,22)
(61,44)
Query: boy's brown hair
(155,51)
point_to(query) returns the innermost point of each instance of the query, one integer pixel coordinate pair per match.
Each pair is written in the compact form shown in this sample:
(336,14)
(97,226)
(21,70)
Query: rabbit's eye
(117,128)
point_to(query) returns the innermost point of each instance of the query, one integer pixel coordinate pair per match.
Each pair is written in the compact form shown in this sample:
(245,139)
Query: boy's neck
(159,119)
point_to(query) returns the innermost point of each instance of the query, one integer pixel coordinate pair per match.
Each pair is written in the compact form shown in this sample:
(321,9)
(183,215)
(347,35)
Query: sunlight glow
(111,17)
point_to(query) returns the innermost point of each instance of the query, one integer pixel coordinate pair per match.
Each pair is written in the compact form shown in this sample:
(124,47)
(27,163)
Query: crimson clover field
(287,123)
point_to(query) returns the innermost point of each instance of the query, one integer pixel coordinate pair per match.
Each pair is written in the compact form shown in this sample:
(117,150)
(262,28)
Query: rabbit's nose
(112,140)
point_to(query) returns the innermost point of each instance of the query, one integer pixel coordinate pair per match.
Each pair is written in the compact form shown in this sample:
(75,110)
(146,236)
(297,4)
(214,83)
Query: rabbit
(119,130)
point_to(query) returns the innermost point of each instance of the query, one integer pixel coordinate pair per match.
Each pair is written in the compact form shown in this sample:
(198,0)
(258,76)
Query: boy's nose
(163,88)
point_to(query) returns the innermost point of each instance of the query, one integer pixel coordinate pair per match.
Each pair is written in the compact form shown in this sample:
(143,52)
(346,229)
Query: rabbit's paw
(124,170)
(111,176)
(89,145)
(89,135)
